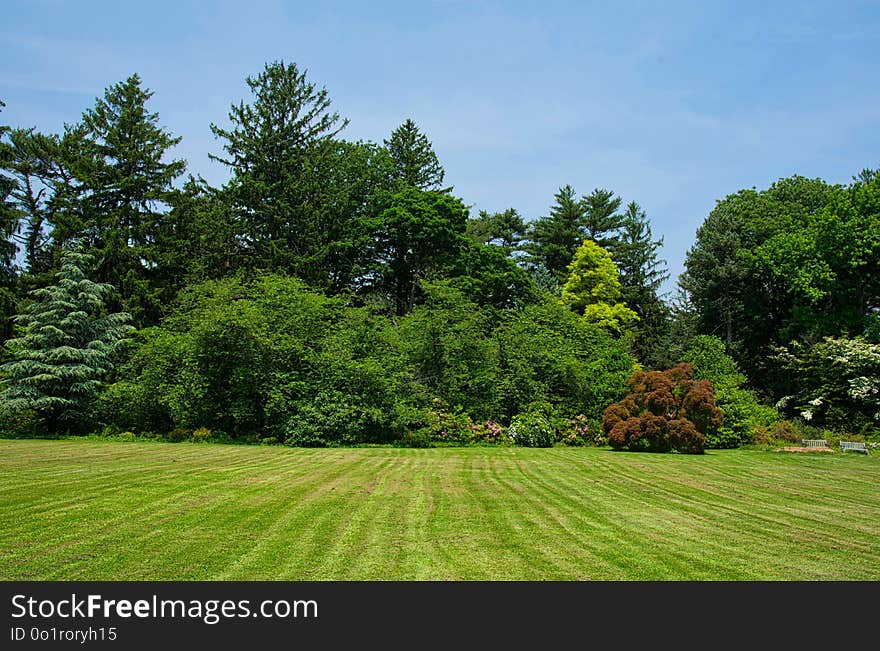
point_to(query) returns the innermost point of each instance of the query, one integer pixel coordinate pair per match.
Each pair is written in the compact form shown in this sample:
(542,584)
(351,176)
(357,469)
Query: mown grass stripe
(139,511)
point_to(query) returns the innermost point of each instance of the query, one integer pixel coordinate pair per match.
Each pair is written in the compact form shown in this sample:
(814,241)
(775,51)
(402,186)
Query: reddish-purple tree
(664,410)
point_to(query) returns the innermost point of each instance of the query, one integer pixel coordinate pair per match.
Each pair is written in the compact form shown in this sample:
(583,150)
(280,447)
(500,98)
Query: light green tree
(593,290)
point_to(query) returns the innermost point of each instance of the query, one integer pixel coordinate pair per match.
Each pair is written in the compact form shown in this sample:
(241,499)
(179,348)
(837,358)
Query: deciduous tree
(418,234)
(593,290)
(664,410)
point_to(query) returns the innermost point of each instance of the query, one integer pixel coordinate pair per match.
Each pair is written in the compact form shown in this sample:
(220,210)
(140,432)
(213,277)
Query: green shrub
(20,423)
(444,424)
(784,431)
(201,435)
(268,357)
(837,381)
(450,351)
(490,432)
(110,431)
(304,431)
(740,406)
(548,353)
(577,431)
(178,434)
(531,430)
(417,439)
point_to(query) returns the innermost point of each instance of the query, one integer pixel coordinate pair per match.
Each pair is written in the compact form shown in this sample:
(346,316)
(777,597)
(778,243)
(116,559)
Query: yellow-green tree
(593,289)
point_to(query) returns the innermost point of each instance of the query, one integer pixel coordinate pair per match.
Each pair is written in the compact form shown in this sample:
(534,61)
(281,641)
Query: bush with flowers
(577,431)
(531,429)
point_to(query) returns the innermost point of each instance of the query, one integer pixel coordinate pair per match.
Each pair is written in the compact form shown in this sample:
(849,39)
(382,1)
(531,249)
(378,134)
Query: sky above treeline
(671,104)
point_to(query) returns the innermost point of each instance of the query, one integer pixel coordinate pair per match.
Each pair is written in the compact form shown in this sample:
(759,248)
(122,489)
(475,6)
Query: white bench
(855,446)
(814,443)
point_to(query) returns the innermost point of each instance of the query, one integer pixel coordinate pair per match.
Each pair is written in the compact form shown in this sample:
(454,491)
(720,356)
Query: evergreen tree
(197,240)
(122,189)
(641,275)
(505,229)
(8,226)
(544,280)
(415,163)
(601,221)
(556,237)
(43,179)
(681,328)
(59,362)
(278,149)
(20,161)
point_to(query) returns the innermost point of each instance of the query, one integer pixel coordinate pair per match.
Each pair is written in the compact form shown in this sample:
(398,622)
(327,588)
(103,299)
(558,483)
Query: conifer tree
(641,275)
(279,149)
(37,164)
(8,226)
(415,162)
(122,186)
(57,365)
(556,237)
(601,221)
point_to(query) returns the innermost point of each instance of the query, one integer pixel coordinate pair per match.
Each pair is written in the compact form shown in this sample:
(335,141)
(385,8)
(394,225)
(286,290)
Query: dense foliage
(742,410)
(269,358)
(336,292)
(664,410)
(593,289)
(64,352)
(839,383)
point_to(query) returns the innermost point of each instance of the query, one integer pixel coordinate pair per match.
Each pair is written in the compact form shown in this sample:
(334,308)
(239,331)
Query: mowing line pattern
(87,510)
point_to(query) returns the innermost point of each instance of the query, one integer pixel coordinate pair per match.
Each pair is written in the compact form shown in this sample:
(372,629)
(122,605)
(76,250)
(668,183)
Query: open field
(140,511)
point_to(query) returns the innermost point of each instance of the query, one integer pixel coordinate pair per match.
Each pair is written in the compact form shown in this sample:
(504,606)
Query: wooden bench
(855,446)
(814,443)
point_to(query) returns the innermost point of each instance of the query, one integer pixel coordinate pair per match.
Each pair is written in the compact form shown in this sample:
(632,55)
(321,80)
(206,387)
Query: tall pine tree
(122,187)
(8,226)
(415,163)
(642,272)
(43,181)
(556,237)
(505,229)
(601,221)
(280,154)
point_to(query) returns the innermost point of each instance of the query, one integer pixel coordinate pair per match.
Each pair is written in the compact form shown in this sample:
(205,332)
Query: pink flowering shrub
(443,424)
(577,431)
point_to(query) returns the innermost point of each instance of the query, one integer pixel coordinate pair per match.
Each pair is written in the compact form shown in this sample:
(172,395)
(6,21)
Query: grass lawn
(86,510)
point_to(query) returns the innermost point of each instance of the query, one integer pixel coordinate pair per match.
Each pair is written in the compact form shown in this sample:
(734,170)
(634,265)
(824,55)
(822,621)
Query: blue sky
(671,104)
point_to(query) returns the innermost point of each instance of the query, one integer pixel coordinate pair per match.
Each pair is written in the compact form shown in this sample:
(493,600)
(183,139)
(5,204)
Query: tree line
(103,223)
